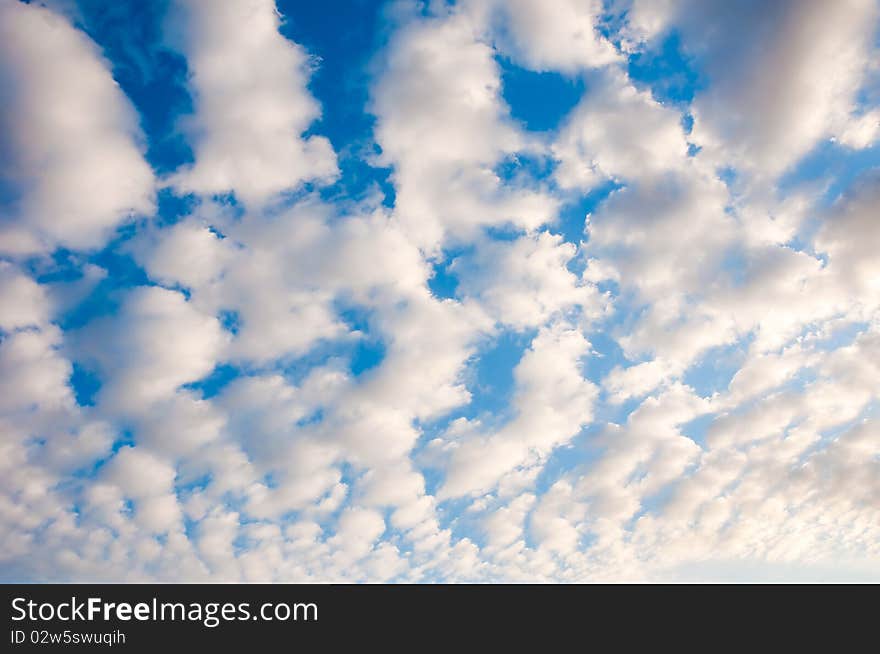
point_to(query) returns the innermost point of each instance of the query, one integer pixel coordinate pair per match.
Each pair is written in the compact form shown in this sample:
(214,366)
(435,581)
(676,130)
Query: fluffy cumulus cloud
(560,36)
(443,125)
(524,291)
(73,166)
(797,55)
(252,106)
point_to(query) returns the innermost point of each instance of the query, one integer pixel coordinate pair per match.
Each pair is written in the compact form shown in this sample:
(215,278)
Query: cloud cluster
(644,345)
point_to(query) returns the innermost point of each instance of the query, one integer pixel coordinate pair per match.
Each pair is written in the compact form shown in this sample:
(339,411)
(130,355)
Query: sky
(475,291)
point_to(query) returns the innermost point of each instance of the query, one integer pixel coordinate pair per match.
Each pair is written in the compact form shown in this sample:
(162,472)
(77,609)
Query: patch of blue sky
(830,335)
(343,36)
(244,540)
(735,265)
(628,309)
(714,369)
(122,273)
(454,515)
(327,352)
(538,100)
(67,486)
(653,504)
(503,232)
(687,124)
(356,317)
(86,384)
(729,175)
(491,374)
(830,169)
(614,412)
(673,76)
(443,282)
(190,527)
(189,481)
(361,351)
(214,383)
(840,336)
(697,428)
(611,21)
(230,320)
(126,438)
(803,241)
(171,207)
(60,266)
(796,384)
(367,349)
(103,299)
(489,377)
(525,169)
(573,213)
(367,354)
(152,75)
(606,354)
(567,459)
(608,286)
(433,477)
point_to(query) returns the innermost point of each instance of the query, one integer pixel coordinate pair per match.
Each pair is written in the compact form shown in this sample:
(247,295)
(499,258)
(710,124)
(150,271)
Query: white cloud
(552,402)
(851,236)
(861,131)
(180,425)
(33,373)
(783,78)
(139,474)
(560,35)
(642,456)
(356,532)
(526,282)
(157,343)
(23,302)
(149,482)
(443,125)
(637,380)
(617,132)
(251,101)
(188,253)
(711,410)
(72,146)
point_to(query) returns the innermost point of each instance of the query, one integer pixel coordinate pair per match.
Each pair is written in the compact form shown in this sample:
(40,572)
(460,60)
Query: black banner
(274,617)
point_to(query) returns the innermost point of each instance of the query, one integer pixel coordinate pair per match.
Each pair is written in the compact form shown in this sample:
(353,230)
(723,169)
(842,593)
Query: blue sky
(466,291)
